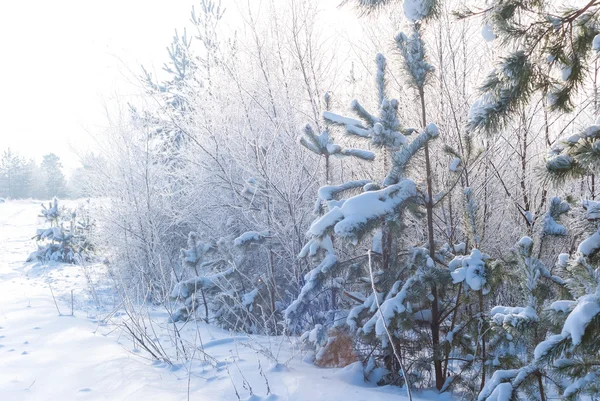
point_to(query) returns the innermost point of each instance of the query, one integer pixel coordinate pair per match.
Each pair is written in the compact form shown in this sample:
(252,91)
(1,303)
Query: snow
(556,209)
(563,259)
(47,357)
(388,310)
(361,209)
(248,298)
(454,164)
(381,135)
(250,237)
(472,271)
(186,288)
(488,33)
(513,315)
(593,131)
(352,318)
(416,10)
(559,163)
(480,108)
(577,385)
(526,242)
(360,153)
(588,307)
(315,277)
(530,216)
(596,43)
(402,157)
(352,374)
(433,130)
(329,219)
(545,346)
(333,148)
(501,393)
(461,247)
(590,245)
(357,130)
(592,209)
(491,392)
(312,247)
(329,192)
(455,263)
(566,72)
(506,310)
(376,244)
(337,119)
(563,306)
(316,335)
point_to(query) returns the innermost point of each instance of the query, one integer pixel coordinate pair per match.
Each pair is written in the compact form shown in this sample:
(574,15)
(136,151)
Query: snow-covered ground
(47,356)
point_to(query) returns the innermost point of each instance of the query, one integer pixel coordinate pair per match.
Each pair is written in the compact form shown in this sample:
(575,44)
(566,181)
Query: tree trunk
(541,385)
(482,341)
(435,324)
(205,305)
(326,169)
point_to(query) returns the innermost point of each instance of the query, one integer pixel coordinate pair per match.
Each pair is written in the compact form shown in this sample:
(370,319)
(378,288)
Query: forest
(404,187)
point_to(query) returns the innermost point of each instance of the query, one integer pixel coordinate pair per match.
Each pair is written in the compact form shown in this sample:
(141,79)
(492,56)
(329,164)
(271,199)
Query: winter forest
(322,200)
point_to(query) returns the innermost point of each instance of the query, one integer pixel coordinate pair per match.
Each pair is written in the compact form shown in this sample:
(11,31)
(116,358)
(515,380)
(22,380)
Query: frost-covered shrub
(68,239)
(220,289)
(210,267)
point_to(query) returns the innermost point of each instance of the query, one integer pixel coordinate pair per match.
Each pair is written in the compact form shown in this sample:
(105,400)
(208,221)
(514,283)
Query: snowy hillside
(47,356)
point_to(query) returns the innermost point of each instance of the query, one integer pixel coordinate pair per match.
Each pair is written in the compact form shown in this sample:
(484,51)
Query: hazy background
(62,61)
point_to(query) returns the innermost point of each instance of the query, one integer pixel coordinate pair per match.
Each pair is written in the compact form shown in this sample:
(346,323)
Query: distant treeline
(22,178)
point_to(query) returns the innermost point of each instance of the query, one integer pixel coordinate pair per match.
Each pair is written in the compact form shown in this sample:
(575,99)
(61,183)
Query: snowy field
(47,356)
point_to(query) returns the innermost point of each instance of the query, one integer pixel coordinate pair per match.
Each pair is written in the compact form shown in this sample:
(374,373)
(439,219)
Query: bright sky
(63,60)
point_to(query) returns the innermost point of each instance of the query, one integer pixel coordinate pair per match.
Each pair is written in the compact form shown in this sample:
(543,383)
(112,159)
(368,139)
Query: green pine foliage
(548,51)
(574,156)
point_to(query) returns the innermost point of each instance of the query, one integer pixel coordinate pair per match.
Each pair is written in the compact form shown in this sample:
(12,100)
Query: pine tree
(221,288)
(189,74)
(15,176)
(517,327)
(517,330)
(575,156)
(69,237)
(208,272)
(550,51)
(383,131)
(572,353)
(168,126)
(54,179)
(323,144)
(404,293)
